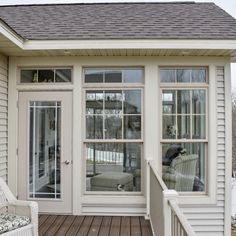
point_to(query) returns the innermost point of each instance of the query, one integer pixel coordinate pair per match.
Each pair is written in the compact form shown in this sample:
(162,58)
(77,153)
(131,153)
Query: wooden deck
(61,225)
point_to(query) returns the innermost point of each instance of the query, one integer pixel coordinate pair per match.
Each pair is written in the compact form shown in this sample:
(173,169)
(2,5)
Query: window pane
(184,127)
(132,102)
(199,75)
(93,76)
(169,127)
(184,166)
(132,127)
(113,127)
(94,127)
(133,75)
(168,102)
(113,77)
(167,75)
(183,99)
(183,75)
(113,102)
(63,75)
(199,101)
(199,127)
(113,167)
(28,76)
(46,76)
(44,149)
(94,102)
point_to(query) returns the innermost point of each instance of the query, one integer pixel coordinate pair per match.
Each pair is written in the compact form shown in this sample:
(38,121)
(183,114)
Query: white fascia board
(11,35)
(128,44)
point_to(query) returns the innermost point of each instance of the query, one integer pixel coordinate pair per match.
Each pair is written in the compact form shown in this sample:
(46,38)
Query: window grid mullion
(176,116)
(103,113)
(191,114)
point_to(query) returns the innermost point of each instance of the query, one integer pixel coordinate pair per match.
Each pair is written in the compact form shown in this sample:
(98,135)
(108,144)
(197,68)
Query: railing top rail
(158,177)
(184,222)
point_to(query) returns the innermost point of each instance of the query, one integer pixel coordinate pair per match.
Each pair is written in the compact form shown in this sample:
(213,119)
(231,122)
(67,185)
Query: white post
(168,195)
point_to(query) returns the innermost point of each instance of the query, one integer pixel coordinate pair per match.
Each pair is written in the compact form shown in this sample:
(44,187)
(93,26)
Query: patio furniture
(17,218)
(112,181)
(181,172)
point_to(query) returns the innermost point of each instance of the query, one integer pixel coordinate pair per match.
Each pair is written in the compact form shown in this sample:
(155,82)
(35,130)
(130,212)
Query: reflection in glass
(183,98)
(167,75)
(63,75)
(199,127)
(169,128)
(133,75)
(113,127)
(132,127)
(94,102)
(183,75)
(113,76)
(199,75)
(46,76)
(28,76)
(44,149)
(199,101)
(183,166)
(132,102)
(113,167)
(113,102)
(94,127)
(93,76)
(129,75)
(168,101)
(183,127)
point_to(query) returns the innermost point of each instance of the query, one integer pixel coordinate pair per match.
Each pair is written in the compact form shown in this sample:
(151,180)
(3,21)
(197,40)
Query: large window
(184,128)
(113,135)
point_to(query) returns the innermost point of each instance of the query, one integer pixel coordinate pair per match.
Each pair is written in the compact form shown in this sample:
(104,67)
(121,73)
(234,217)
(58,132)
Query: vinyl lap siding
(209,220)
(3,115)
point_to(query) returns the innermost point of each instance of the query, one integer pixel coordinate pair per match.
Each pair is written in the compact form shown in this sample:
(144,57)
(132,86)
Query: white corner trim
(228,149)
(11,35)
(129,44)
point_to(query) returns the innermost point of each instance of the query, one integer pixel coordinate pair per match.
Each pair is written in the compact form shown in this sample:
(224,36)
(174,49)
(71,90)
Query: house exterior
(95,98)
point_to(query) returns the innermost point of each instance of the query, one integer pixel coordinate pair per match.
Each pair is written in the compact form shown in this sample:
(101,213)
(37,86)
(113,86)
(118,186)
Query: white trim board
(11,35)
(129,44)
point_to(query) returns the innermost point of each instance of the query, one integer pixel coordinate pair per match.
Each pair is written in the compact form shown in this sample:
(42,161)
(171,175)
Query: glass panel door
(44,149)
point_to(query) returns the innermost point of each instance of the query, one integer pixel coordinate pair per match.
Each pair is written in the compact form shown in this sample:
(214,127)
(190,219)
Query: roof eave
(129,44)
(10,34)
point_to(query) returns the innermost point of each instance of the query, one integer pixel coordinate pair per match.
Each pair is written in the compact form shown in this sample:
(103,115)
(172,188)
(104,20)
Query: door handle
(67,162)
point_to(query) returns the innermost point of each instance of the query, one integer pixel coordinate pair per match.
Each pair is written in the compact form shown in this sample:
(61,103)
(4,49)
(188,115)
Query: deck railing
(166,217)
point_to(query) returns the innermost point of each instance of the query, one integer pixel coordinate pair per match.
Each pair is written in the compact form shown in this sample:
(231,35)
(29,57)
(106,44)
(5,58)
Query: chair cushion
(10,222)
(111,179)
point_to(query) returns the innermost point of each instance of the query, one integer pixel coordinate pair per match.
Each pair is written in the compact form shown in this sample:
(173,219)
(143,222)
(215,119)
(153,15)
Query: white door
(45,150)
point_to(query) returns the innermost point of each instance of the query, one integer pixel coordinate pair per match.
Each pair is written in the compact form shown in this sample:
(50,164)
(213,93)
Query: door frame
(54,205)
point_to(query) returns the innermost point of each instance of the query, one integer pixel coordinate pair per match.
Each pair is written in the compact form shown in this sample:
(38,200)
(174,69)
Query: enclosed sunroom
(130,118)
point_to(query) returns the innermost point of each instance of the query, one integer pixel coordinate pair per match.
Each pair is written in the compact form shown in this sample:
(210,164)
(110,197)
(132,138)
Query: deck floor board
(60,225)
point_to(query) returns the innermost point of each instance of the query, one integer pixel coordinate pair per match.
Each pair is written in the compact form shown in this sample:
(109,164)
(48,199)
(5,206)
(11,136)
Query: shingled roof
(182,20)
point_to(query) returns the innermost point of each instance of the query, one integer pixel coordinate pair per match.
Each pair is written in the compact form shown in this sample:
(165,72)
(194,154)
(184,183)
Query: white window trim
(120,87)
(208,196)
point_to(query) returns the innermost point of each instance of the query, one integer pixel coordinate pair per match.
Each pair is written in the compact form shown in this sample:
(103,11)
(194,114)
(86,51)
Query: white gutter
(129,44)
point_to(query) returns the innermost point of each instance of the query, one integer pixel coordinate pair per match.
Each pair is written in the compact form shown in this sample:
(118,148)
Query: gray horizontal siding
(3,115)
(209,220)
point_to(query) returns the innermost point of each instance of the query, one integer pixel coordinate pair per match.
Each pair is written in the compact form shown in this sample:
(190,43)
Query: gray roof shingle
(186,20)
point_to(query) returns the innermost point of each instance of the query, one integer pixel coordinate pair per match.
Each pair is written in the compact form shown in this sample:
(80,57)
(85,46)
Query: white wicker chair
(9,204)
